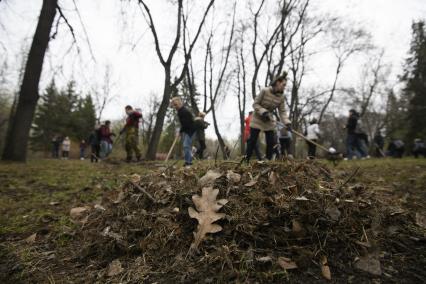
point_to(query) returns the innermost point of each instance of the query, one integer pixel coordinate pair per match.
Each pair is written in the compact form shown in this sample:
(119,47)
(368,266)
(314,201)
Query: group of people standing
(61,145)
(101,139)
(269,116)
(357,142)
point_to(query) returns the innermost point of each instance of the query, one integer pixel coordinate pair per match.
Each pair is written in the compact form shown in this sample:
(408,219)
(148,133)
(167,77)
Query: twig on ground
(169,167)
(143,191)
(348,179)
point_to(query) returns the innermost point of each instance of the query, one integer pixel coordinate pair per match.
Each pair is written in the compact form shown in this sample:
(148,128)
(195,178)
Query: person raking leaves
(268,100)
(187,128)
(130,129)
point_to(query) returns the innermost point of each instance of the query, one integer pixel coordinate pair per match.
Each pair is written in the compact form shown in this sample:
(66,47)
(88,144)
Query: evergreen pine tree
(62,114)
(84,118)
(44,125)
(415,80)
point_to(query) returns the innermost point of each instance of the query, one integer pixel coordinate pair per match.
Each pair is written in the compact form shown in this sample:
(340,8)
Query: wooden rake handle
(171,148)
(310,141)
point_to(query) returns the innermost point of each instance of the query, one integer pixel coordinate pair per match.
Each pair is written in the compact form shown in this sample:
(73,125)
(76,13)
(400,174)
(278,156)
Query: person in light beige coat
(269,99)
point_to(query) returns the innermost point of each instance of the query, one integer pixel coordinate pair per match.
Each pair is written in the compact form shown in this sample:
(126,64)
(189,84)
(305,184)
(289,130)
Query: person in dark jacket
(200,126)
(396,148)
(56,143)
(246,137)
(187,129)
(94,145)
(419,148)
(131,129)
(379,143)
(353,145)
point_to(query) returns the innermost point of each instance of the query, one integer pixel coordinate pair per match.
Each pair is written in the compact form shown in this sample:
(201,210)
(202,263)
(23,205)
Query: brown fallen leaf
(286,263)
(207,213)
(296,227)
(251,183)
(265,259)
(333,213)
(233,177)
(421,220)
(325,269)
(301,198)
(31,239)
(369,264)
(135,178)
(78,212)
(209,178)
(99,207)
(273,177)
(114,268)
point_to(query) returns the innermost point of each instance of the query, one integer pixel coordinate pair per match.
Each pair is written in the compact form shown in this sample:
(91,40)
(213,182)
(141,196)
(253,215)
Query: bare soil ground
(290,221)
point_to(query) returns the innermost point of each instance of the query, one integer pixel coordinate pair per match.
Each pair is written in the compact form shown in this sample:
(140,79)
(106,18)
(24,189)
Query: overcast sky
(123,41)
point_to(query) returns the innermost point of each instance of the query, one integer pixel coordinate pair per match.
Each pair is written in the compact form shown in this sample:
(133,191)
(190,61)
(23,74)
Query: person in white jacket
(66,146)
(312,133)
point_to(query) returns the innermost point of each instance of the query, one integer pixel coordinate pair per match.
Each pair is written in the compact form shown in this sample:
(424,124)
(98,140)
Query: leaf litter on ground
(290,213)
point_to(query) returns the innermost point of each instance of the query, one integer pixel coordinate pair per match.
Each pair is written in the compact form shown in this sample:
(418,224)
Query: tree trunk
(159,122)
(216,130)
(19,127)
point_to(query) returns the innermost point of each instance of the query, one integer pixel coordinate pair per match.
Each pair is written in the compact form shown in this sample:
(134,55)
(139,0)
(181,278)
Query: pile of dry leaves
(274,222)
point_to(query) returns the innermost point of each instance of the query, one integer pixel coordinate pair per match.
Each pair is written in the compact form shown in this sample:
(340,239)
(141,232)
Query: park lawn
(40,191)
(402,180)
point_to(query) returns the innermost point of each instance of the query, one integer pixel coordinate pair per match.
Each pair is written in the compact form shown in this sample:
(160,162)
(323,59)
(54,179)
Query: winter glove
(288,127)
(265,116)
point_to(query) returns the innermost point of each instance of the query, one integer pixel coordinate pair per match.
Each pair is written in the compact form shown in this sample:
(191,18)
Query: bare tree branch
(154,31)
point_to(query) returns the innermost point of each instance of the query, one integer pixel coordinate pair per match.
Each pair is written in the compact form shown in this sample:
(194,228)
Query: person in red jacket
(105,139)
(247,121)
(131,129)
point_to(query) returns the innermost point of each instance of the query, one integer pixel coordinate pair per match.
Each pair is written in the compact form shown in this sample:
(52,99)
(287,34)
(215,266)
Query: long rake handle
(171,148)
(310,141)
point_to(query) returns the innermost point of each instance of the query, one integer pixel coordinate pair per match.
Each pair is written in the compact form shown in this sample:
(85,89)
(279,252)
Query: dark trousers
(252,141)
(55,151)
(201,148)
(354,146)
(312,149)
(285,144)
(95,153)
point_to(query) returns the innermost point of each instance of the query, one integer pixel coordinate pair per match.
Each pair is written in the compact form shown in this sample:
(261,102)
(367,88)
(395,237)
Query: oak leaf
(286,263)
(206,213)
